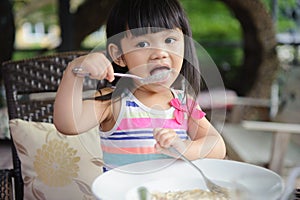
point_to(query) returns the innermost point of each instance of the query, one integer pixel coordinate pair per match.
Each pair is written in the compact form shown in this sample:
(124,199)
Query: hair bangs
(148,16)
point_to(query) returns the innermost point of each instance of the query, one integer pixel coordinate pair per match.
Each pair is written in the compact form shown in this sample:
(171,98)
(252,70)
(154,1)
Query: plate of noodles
(174,179)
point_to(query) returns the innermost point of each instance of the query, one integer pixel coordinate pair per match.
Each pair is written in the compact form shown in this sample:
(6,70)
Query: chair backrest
(289,107)
(30,87)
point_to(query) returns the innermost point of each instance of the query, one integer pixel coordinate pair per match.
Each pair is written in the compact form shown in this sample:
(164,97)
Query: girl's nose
(159,53)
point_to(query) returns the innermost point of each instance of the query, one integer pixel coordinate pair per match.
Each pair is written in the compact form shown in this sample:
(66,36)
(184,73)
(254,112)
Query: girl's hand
(165,139)
(96,64)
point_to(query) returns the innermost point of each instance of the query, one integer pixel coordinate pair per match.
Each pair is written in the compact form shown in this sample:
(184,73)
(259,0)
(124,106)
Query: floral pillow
(56,166)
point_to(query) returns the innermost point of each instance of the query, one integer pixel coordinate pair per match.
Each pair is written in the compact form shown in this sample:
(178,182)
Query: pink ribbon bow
(180,109)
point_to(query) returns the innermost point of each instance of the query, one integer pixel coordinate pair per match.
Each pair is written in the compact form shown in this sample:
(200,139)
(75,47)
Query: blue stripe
(126,135)
(142,132)
(131,132)
(120,159)
(181,132)
(128,138)
(131,104)
(137,138)
(184,137)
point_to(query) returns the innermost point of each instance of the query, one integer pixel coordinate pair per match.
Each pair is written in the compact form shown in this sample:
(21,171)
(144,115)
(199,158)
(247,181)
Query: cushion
(56,166)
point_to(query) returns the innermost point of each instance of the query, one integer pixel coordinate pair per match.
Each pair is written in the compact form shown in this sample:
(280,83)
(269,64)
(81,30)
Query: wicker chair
(22,78)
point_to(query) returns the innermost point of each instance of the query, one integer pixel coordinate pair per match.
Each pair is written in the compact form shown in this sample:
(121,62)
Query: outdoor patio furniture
(267,142)
(30,86)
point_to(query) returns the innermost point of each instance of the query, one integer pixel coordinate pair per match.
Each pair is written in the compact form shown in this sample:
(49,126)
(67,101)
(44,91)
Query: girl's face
(154,53)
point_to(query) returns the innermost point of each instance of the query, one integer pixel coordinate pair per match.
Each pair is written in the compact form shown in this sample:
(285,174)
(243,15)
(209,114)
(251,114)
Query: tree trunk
(260,59)
(7,31)
(90,16)
(7,38)
(97,12)
(66,20)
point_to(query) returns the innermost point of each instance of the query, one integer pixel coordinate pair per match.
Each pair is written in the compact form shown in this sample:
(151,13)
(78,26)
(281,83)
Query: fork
(222,191)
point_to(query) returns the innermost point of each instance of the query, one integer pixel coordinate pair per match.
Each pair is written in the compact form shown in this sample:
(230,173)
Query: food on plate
(194,194)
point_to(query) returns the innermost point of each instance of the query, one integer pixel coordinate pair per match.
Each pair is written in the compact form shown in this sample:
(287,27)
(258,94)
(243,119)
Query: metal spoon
(222,191)
(80,72)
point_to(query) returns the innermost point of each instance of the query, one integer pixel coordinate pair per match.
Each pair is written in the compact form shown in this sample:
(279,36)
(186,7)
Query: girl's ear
(116,54)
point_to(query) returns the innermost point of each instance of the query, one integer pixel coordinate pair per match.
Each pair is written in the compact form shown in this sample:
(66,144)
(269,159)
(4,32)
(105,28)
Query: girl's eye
(143,44)
(170,40)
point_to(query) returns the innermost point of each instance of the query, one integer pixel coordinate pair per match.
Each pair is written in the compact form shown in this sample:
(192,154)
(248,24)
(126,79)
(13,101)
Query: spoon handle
(79,71)
(173,150)
(210,185)
(128,75)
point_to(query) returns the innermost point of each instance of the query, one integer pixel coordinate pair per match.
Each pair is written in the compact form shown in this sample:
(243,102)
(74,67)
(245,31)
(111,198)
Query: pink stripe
(129,150)
(137,123)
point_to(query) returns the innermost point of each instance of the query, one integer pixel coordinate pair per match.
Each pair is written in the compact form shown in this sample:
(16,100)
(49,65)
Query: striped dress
(131,139)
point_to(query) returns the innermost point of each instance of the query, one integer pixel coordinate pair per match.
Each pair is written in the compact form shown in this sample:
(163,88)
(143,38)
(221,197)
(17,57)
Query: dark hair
(153,15)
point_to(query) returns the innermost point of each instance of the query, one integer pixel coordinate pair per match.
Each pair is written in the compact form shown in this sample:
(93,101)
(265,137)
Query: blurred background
(238,35)
(250,41)
(253,43)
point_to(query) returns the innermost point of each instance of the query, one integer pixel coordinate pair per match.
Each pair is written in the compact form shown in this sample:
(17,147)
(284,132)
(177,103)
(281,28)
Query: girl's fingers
(158,147)
(165,151)
(165,137)
(103,67)
(96,65)
(108,68)
(110,73)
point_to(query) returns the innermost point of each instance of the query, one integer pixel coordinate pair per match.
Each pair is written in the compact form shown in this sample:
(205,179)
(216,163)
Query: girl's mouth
(159,70)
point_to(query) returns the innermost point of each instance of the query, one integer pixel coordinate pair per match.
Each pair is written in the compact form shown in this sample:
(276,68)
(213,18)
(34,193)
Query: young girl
(141,121)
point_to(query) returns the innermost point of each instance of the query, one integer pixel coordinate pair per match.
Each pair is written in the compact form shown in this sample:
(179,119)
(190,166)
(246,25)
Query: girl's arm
(205,140)
(71,114)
